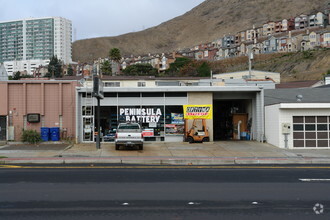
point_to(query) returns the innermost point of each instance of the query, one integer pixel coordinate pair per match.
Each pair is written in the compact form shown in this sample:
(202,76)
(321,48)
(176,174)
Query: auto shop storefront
(160,111)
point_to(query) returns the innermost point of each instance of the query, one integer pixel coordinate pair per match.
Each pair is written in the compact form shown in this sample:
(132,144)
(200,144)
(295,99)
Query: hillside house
(301,22)
(185,53)
(228,41)
(268,28)
(283,44)
(270,45)
(287,25)
(240,37)
(325,39)
(251,34)
(278,27)
(314,39)
(207,54)
(294,43)
(318,19)
(305,43)
(217,43)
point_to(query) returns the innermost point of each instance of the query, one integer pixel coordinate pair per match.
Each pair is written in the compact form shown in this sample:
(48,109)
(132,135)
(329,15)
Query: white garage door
(311,131)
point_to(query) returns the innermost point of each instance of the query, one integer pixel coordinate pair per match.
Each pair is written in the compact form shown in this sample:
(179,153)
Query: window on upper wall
(112,84)
(141,84)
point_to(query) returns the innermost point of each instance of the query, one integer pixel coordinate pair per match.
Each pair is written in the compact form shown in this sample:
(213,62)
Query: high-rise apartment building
(34,40)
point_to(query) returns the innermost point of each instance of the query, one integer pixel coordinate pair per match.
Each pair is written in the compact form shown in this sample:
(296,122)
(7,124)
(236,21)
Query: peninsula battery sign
(144,115)
(197,111)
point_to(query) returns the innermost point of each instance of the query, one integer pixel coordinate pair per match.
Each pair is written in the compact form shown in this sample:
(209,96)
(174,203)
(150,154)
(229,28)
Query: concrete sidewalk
(212,153)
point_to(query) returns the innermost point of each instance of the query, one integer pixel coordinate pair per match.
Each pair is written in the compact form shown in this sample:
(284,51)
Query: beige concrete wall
(54,101)
(202,98)
(3,98)
(255,75)
(126,83)
(17,107)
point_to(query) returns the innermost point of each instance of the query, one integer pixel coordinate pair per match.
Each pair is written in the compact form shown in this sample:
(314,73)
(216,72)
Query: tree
(178,64)
(106,68)
(115,56)
(204,70)
(17,75)
(140,70)
(55,67)
(70,70)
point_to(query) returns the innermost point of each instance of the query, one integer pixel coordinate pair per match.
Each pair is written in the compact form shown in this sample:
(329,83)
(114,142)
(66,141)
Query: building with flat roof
(3,73)
(254,74)
(237,111)
(298,118)
(52,102)
(36,39)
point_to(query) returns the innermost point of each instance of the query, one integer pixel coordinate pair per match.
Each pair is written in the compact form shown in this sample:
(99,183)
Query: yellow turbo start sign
(197,111)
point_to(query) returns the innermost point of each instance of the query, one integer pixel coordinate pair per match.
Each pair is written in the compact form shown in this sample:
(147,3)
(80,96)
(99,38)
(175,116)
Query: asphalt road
(165,193)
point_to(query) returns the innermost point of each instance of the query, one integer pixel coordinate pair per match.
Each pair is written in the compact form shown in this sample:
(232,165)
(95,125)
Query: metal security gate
(3,128)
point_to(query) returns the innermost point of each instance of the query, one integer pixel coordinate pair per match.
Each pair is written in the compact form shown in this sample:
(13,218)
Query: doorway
(3,128)
(224,113)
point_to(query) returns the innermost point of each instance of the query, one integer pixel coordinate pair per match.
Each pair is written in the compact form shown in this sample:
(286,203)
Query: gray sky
(98,18)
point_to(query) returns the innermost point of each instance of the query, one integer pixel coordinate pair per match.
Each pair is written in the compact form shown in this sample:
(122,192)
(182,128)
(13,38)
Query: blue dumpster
(55,134)
(44,133)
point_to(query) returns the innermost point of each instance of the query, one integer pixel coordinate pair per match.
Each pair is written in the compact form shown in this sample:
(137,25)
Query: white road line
(315,180)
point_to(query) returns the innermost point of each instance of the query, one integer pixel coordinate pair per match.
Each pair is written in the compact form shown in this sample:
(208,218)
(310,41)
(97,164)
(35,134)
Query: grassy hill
(308,65)
(206,22)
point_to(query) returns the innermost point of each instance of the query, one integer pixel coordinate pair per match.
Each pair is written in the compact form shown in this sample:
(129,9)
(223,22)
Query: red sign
(148,132)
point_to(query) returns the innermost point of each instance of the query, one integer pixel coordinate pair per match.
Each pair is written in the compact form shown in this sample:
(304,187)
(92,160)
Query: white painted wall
(275,115)
(272,114)
(255,75)
(63,39)
(23,65)
(127,83)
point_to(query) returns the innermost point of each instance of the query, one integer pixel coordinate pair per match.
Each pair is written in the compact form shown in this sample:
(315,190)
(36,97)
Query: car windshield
(129,126)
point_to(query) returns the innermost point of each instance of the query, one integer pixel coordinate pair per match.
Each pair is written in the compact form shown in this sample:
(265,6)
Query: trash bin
(44,133)
(55,134)
(243,135)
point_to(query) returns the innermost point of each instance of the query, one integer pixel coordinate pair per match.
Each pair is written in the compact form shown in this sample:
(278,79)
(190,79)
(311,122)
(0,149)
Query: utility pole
(250,63)
(211,74)
(98,94)
(98,114)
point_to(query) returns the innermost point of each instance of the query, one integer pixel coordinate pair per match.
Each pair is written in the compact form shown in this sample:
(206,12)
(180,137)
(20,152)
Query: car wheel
(117,147)
(141,147)
(190,139)
(206,139)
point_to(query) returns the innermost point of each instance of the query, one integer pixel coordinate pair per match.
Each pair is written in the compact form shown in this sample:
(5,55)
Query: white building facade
(228,103)
(23,66)
(298,125)
(298,118)
(36,39)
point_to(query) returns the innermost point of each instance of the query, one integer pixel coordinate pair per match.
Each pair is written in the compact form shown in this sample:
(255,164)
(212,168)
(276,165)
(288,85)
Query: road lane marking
(10,166)
(315,180)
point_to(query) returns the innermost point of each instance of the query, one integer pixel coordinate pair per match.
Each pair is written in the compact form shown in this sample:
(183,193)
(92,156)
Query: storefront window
(154,121)
(151,119)
(174,122)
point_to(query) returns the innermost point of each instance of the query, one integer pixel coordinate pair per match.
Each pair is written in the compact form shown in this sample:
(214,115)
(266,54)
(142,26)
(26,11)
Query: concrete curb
(164,161)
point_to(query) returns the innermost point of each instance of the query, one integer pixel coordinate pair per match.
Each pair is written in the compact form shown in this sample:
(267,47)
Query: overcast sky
(98,18)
